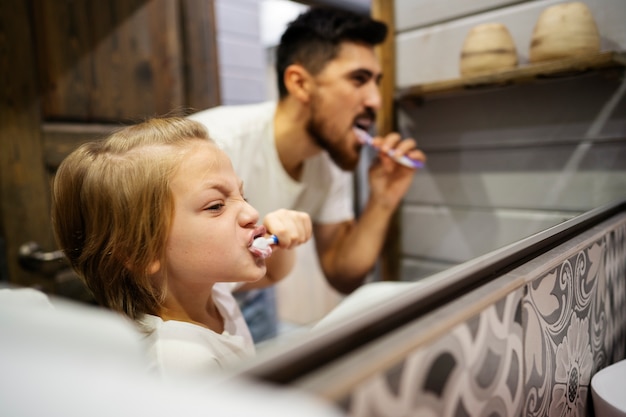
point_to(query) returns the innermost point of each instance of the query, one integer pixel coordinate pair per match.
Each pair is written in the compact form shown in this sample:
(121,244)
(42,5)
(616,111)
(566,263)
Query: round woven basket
(564,30)
(488,48)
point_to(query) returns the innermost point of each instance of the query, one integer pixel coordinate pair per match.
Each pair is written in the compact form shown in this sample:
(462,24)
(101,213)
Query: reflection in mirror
(304,296)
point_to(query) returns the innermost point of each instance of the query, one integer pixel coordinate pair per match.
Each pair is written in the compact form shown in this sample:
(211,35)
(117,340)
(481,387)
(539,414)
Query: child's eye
(215,207)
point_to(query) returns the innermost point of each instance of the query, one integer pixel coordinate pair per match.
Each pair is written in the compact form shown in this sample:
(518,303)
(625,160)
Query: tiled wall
(525,344)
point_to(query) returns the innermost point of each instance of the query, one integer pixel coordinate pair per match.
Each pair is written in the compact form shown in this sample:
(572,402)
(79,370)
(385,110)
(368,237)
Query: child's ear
(154,267)
(298,82)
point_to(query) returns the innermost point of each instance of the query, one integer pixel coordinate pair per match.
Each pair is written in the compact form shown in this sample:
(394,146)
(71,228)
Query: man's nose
(373,98)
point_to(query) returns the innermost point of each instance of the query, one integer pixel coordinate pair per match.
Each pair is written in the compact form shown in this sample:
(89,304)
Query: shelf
(519,75)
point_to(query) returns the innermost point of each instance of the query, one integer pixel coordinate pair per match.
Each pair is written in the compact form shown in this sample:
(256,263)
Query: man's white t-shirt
(180,348)
(246,134)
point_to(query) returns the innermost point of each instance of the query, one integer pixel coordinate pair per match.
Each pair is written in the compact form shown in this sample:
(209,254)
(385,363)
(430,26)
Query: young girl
(154,220)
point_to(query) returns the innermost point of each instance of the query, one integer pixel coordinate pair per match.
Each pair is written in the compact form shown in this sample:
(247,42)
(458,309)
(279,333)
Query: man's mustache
(368,113)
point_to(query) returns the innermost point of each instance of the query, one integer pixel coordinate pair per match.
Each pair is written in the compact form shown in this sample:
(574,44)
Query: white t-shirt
(180,348)
(246,134)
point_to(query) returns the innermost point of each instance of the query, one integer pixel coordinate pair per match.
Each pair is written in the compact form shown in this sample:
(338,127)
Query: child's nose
(249,215)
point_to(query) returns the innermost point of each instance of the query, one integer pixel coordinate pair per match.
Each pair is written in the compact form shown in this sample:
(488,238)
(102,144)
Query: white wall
(503,162)
(240,51)
(430,33)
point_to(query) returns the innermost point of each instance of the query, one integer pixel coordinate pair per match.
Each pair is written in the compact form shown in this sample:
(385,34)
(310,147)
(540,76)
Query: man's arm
(349,250)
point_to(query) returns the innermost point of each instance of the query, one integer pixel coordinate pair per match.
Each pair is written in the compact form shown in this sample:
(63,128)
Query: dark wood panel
(24,207)
(59,139)
(86,62)
(201,60)
(113,60)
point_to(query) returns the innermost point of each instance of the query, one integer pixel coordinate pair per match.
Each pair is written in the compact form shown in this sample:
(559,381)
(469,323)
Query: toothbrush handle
(406,161)
(272,240)
(402,160)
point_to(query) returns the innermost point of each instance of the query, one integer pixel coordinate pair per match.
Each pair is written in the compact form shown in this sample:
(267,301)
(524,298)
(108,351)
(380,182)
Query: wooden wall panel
(200,55)
(106,61)
(77,63)
(59,139)
(24,203)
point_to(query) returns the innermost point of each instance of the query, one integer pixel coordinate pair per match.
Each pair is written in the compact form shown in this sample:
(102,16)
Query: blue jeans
(259,310)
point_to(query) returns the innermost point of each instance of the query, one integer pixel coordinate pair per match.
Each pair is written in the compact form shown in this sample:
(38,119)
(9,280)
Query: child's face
(212,225)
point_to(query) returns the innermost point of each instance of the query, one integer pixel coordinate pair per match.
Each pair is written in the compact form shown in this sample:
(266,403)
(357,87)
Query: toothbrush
(261,246)
(366,139)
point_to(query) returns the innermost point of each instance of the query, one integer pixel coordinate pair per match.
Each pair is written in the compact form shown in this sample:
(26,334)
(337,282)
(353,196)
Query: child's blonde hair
(112,208)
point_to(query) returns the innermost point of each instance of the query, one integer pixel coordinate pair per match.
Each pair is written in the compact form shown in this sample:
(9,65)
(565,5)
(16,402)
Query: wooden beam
(201,70)
(59,139)
(385,122)
(383,10)
(24,213)
(566,67)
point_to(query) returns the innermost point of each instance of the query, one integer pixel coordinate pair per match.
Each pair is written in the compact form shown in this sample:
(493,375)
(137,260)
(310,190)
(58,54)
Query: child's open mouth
(261,246)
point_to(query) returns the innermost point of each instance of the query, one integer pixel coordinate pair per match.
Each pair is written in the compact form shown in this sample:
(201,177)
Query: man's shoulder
(234,114)
(233,123)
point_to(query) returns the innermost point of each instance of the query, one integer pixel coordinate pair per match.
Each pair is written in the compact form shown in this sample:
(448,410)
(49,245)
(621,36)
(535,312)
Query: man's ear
(298,82)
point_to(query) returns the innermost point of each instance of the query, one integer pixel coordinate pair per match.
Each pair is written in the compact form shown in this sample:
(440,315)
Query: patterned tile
(474,370)
(574,319)
(532,353)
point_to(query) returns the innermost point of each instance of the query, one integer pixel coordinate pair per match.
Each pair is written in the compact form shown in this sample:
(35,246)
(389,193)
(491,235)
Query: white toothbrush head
(261,246)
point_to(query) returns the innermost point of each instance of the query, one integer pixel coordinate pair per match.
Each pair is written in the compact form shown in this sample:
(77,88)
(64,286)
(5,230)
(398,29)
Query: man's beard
(341,156)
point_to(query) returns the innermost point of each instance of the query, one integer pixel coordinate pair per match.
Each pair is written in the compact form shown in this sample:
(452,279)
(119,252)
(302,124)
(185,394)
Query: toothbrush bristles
(261,246)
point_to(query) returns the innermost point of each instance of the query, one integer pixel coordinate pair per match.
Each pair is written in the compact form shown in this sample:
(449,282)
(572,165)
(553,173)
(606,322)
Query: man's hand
(389,180)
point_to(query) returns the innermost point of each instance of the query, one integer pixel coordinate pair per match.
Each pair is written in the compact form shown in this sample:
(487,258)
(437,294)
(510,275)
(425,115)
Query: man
(299,153)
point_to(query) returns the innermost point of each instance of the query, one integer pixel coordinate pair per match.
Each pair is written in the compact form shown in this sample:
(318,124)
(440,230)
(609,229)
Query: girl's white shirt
(178,348)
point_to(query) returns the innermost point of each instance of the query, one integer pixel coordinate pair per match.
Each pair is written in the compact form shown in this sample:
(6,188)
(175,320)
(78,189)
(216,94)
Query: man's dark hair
(314,37)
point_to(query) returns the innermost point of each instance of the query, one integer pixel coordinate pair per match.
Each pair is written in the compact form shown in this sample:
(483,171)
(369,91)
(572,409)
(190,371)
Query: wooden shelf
(519,75)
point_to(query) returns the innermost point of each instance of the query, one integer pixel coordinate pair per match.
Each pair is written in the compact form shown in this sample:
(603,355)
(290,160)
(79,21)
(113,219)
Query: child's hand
(292,227)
